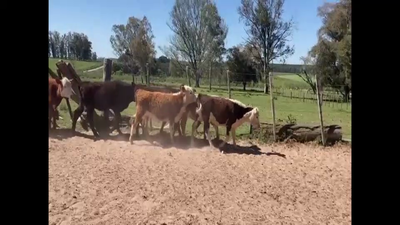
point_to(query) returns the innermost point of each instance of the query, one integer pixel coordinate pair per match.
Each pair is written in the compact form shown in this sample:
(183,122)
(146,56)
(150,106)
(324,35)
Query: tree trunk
(209,76)
(244,86)
(197,78)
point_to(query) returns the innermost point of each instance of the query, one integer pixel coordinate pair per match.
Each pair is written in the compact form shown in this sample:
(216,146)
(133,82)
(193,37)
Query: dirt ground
(112,182)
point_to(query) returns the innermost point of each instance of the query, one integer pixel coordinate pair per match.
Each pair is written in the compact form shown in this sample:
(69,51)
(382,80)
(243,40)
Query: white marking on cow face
(189,94)
(253,117)
(66,91)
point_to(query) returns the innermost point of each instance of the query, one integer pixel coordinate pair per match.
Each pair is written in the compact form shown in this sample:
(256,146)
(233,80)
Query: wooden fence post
(229,83)
(320,110)
(187,75)
(272,105)
(107,68)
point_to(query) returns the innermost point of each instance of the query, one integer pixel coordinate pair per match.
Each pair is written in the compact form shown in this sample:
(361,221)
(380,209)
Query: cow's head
(66,87)
(253,117)
(188,93)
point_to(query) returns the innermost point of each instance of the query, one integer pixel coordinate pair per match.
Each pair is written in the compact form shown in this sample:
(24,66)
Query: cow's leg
(172,130)
(138,119)
(228,129)
(54,115)
(151,124)
(177,128)
(106,118)
(77,113)
(162,126)
(207,129)
(50,116)
(216,130)
(233,130)
(195,125)
(183,123)
(90,116)
(137,127)
(117,120)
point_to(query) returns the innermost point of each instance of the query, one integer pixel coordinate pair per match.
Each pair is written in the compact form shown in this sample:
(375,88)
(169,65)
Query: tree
(241,67)
(333,50)
(268,32)
(199,34)
(308,71)
(94,56)
(133,43)
(69,46)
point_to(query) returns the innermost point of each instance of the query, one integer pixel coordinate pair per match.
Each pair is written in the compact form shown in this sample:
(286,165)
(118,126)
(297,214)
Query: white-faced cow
(115,95)
(166,107)
(58,89)
(220,111)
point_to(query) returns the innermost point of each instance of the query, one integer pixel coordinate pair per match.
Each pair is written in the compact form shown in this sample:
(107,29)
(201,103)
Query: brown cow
(58,89)
(220,111)
(166,107)
(164,89)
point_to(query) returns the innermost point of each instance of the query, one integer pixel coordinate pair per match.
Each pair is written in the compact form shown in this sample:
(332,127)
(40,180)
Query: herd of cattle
(169,105)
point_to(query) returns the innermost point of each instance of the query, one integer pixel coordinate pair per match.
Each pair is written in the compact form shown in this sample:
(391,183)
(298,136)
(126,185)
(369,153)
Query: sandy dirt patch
(113,182)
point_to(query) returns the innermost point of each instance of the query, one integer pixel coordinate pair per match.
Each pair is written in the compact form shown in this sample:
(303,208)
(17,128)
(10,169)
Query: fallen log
(299,133)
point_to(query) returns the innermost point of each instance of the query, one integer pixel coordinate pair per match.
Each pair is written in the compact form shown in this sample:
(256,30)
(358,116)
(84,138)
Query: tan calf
(165,107)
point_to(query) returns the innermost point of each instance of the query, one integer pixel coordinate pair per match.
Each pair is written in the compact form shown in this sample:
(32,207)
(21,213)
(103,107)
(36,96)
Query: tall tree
(57,42)
(241,66)
(94,56)
(268,32)
(199,34)
(133,43)
(333,50)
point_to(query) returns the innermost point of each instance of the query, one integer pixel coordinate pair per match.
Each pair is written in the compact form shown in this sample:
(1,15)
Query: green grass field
(303,112)
(78,65)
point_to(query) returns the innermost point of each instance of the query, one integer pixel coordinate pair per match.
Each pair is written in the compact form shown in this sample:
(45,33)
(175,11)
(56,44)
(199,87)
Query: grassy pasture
(78,65)
(304,112)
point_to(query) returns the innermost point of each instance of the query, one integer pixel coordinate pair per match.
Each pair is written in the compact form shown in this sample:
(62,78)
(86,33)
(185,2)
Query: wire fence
(294,100)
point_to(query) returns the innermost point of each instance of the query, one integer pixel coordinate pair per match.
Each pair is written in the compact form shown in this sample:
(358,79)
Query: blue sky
(96,17)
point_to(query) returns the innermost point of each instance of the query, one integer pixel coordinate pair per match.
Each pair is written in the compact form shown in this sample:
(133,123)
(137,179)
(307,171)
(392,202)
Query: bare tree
(267,31)
(308,71)
(199,34)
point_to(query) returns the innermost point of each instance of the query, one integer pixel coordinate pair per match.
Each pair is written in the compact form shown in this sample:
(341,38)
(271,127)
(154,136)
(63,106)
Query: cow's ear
(183,88)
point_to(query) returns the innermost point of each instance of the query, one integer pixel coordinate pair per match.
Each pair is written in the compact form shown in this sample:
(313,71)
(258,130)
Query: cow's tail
(200,106)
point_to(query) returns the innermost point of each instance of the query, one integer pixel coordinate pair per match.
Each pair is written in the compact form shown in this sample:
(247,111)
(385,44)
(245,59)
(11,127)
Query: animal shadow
(248,150)
(65,133)
(163,140)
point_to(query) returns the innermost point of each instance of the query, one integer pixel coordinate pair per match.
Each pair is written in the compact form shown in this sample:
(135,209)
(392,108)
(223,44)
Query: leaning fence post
(272,105)
(320,110)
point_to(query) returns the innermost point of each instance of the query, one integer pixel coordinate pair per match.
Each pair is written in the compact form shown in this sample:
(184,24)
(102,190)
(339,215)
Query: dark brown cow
(115,95)
(220,111)
(166,107)
(58,89)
